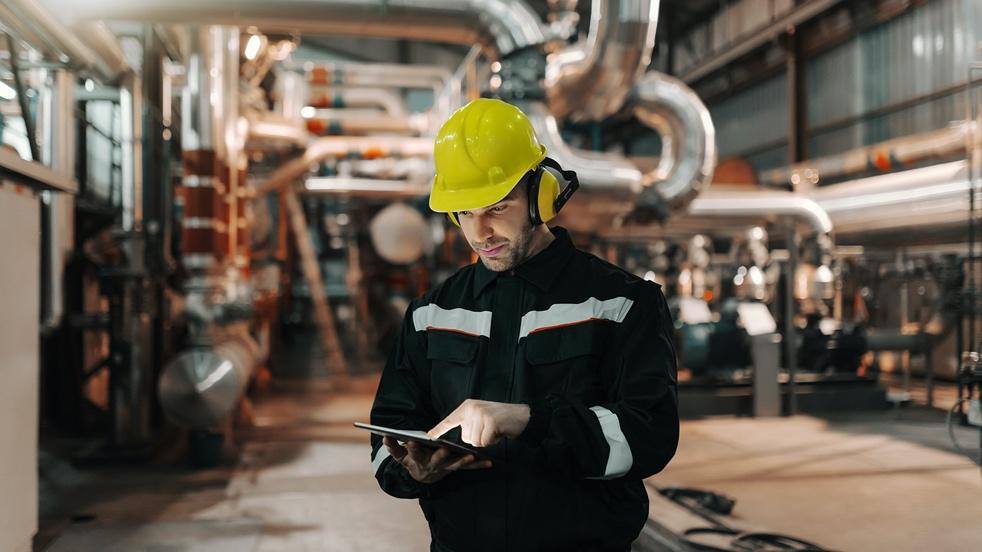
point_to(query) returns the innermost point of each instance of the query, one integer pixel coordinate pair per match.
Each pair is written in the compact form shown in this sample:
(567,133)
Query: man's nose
(482,229)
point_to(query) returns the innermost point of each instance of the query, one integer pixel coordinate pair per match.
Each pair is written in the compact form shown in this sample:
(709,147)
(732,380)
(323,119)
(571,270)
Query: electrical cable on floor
(976,459)
(707,503)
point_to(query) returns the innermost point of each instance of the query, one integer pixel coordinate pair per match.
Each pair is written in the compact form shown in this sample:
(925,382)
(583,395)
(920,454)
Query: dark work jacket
(590,348)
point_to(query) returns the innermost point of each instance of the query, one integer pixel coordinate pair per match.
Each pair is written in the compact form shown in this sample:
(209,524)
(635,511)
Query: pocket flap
(450,346)
(558,344)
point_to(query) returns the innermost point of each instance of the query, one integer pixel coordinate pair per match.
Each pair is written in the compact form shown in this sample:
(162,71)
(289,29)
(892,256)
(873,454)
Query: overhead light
(252,47)
(6,92)
(89,85)
(307,112)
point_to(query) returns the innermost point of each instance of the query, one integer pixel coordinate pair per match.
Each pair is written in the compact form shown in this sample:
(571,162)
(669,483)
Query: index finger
(442,427)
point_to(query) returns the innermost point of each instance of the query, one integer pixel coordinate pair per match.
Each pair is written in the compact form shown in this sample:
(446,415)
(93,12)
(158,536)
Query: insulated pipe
(361,122)
(597,171)
(501,26)
(327,78)
(202,385)
(932,200)
(377,74)
(291,95)
(176,41)
(366,187)
(343,146)
(688,156)
(590,79)
(33,23)
(722,202)
(104,44)
(939,144)
(278,130)
(388,101)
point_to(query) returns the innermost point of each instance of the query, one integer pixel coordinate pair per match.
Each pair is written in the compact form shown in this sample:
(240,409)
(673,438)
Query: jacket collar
(541,270)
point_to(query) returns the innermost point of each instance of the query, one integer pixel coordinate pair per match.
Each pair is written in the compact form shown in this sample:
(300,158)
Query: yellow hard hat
(481,152)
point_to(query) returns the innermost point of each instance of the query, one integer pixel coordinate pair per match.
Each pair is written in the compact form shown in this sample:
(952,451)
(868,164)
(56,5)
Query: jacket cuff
(539,420)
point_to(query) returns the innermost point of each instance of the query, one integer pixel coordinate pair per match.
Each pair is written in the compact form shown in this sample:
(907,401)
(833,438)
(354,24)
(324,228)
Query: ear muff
(548,191)
(545,196)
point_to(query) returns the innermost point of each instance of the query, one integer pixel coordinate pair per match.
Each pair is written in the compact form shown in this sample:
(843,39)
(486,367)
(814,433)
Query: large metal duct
(590,79)
(739,202)
(598,172)
(685,166)
(688,137)
(919,206)
(937,145)
(501,26)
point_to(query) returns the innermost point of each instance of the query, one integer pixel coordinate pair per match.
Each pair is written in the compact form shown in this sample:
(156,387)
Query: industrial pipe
(202,385)
(899,152)
(934,200)
(737,202)
(102,41)
(268,129)
(34,24)
(387,101)
(501,26)
(378,74)
(360,122)
(688,137)
(366,187)
(343,146)
(597,171)
(590,79)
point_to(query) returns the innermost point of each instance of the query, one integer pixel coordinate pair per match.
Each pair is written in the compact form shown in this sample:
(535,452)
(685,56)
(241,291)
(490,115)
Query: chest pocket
(453,362)
(566,361)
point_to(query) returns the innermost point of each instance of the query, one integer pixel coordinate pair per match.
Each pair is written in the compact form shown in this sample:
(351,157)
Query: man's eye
(463,213)
(499,209)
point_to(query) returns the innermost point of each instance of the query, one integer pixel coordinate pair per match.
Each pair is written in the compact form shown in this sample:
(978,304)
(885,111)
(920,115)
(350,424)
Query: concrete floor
(303,483)
(880,481)
(883,481)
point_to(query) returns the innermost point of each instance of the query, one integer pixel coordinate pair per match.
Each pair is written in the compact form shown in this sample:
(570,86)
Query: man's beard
(515,252)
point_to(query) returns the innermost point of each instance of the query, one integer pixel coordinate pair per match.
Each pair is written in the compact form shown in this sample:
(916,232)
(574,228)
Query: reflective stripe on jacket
(590,348)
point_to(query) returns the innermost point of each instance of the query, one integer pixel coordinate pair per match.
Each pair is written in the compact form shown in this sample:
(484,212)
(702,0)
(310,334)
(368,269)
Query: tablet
(422,437)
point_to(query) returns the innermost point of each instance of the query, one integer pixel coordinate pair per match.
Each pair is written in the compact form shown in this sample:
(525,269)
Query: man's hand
(429,465)
(484,423)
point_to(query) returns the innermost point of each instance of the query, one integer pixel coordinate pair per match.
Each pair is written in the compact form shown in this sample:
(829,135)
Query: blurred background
(213,216)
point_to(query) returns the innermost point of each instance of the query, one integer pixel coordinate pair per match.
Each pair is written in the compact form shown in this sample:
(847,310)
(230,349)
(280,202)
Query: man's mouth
(491,252)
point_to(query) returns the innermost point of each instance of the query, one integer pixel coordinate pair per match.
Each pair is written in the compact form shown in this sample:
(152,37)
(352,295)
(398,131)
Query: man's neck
(542,236)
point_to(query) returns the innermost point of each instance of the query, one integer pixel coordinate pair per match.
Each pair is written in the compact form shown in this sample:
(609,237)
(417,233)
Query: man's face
(501,234)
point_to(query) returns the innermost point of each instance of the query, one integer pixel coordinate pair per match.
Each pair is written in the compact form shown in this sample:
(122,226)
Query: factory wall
(863,91)
(867,75)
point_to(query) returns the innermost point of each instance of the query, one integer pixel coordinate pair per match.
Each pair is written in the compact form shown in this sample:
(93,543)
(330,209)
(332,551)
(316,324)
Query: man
(561,365)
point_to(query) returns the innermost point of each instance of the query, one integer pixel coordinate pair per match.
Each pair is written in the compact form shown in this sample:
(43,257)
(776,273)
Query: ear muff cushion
(548,192)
